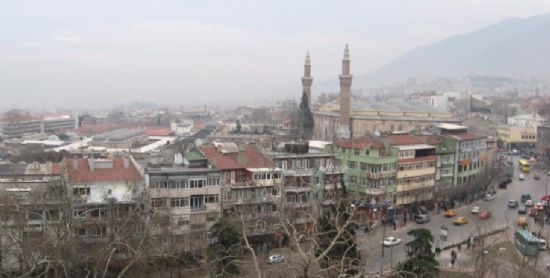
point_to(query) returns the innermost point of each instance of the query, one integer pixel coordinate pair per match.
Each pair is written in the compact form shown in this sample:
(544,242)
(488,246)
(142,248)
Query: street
(371,245)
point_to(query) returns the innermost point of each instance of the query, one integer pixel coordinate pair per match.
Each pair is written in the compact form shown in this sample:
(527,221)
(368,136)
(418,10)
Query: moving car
(522,210)
(529,203)
(475,210)
(521,177)
(460,220)
(488,197)
(513,204)
(525,197)
(522,221)
(450,213)
(484,214)
(275,259)
(391,241)
(421,218)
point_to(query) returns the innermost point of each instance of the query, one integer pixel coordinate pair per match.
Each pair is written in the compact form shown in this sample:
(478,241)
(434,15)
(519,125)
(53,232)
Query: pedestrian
(394,225)
(459,247)
(453,255)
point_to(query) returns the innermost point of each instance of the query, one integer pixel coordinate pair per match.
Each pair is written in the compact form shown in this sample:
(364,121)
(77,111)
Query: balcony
(415,185)
(198,208)
(201,226)
(381,175)
(266,199)
(416,172)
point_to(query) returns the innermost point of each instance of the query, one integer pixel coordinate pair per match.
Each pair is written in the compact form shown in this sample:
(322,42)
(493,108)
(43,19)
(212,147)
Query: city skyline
(63,54)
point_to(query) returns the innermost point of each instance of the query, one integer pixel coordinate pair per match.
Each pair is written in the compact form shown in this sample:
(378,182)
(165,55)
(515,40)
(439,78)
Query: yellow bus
(524,165)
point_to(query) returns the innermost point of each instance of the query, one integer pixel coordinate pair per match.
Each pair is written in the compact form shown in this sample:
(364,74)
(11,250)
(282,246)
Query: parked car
(489,197)
(484,214)
(475,210)
(542,244)
(460,220)
(450,213)
(391,241)
(521,177)
(529,203)
(522,221)
(522,210)
(275,259)
(421,218)
(525,197)
(504,182)
(536,176)
(513,204)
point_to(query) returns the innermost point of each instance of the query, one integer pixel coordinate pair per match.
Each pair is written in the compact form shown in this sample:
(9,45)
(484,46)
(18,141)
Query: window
(172,184)
(363,166)
(351,164)
(158,202)
(183,222)
(96,231)
(353,179)
(291,199)
(179,202)
(357,151)
(211,199)
(79,191)
(213,182)
(211,217)
(367,152)
(79,213)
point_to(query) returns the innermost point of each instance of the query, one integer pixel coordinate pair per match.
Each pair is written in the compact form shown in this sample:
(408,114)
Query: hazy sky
(58,54)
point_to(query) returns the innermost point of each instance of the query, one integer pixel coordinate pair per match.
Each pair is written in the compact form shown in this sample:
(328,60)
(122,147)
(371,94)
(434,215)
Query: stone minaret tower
(307,80)
(344,131)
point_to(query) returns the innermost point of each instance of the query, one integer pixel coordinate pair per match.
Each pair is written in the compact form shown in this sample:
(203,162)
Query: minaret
(344,131)
(307,80)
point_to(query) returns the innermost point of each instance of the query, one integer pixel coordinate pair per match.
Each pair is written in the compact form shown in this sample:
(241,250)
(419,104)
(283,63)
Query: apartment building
(185,203)
(308,173)
(108,199)
(16,126)
(520,131)
(371,167)
(251,187)
(33,206)
(416,169)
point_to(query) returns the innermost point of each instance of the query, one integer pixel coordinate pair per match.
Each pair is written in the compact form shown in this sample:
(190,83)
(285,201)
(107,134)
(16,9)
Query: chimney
(91,163)
(75,164)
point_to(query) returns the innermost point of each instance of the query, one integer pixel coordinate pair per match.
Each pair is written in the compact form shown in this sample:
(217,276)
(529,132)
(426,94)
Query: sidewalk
(464,261)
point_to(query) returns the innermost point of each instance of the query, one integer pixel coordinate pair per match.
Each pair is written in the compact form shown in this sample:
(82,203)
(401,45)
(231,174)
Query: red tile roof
(431,139)
(360,143)
(467,136)
(116,174)
(56,168)
(157,131)
(404,139)
(249,157)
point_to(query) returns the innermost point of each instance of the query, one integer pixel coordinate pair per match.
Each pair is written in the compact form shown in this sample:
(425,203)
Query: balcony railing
(381,175)
(198,208)
(266,199)
(200,226)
